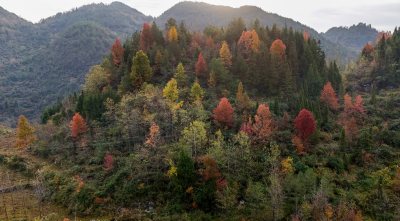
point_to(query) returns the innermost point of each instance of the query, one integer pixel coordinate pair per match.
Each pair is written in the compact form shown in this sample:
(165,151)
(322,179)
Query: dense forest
(41,63)
(243,123)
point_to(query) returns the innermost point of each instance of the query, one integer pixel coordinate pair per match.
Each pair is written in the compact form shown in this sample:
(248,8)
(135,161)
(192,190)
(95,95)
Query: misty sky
(318,14)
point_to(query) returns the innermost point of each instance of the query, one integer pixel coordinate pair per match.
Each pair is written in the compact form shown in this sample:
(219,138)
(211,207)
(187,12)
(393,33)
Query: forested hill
(353,37)
(242,123)
(43,62)
(198,15)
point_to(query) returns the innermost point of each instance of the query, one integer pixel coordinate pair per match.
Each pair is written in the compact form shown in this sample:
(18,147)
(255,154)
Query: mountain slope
(43,62)
(17,36)
(198,15)
(354,37)
(117,17)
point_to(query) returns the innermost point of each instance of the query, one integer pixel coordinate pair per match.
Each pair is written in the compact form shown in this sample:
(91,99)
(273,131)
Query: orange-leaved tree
(25,133)
(278,48)
(262,127)
(249,41)
(223,113)
(352,117)
(117,52)
(368,51)
(328,96)
(154,135)
(78,126)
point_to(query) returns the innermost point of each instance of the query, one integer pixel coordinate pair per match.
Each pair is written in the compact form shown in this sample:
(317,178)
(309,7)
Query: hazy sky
(318,14)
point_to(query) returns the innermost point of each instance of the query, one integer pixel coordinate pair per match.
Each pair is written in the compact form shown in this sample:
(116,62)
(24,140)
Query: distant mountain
(17,36)
(354,37)
(198,15)
(117,17)
(43,62)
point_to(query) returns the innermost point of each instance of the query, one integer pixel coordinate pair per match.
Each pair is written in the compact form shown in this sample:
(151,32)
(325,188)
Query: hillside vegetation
(242,123)
(43,62)
(198,15)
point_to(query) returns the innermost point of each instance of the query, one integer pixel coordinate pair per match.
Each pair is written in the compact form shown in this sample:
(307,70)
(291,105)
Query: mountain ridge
(37,60)
(353,37)
(198,15)
(25,54)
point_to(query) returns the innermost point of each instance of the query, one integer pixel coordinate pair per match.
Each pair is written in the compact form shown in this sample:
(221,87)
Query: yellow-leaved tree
(172,34)
(170,91)
(25,133)
(225,54)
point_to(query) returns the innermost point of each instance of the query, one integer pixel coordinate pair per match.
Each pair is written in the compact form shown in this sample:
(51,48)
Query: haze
(320,15)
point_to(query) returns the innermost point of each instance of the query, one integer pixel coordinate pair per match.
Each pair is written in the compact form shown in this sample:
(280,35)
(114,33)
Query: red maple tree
(201,66)
(305,124)
(223,113)
(78,126)
(328,96)
(146,38)
(117,52)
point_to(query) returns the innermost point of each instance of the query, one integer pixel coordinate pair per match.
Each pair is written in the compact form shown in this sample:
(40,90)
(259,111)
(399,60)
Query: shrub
(336,164)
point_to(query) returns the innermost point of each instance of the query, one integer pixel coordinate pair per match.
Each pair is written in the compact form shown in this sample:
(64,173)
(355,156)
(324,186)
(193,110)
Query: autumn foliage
(243,102)
(78,126)
(146,39)
(352,116)
(210,170)
(247,127)
(154,135)
(328,96)
(368,50)
(223,113)
(249,41)
(298,144)
(306,36)
(262,127)
(201,66)
(117,52)
(383,36)
(278,48)
(25,133)
(172,34)
(305,124)
(353,108)
(225,54)
(108,162)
